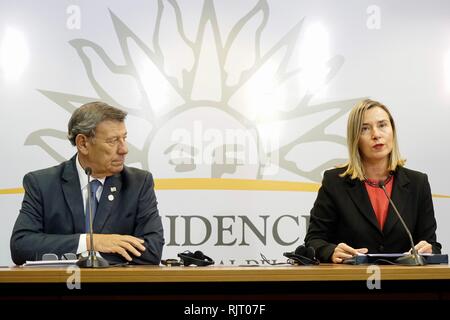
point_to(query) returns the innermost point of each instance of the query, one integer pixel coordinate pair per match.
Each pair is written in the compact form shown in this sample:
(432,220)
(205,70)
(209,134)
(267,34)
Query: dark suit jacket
(342,212)
(52,215)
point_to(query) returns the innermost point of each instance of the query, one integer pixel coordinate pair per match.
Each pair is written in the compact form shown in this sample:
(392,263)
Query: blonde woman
(352,214)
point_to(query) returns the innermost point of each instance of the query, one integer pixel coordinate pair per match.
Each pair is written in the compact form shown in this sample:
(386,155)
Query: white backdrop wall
(256,91)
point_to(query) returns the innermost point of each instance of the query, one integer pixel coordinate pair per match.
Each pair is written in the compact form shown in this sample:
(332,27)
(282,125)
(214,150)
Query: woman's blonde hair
(354,165)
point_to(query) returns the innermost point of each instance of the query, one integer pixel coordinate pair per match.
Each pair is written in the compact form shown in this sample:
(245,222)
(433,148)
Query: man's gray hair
(86,118)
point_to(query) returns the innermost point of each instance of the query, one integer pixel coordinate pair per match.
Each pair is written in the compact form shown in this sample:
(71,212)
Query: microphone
(88,172)
(92,260)
(413,259)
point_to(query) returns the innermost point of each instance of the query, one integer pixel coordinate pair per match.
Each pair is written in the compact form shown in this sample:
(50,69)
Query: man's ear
(81,141)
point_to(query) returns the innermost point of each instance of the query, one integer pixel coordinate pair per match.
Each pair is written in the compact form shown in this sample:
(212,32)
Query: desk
(221,274)
(219,284)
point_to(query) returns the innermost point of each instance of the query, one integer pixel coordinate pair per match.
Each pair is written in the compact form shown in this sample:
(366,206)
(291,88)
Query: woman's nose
(375,133)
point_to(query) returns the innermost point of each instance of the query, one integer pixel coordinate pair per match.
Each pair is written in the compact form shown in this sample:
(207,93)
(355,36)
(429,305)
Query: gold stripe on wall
(234,184)
(12,191)
(440,196)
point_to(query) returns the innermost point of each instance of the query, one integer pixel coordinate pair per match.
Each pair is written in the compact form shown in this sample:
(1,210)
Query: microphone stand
(414,258)
(92,260)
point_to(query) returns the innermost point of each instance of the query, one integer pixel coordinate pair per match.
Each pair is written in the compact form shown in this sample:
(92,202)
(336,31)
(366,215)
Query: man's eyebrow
(119,135)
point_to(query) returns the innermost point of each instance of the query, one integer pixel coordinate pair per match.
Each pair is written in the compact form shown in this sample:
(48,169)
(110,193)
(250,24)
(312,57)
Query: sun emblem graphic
(216,104)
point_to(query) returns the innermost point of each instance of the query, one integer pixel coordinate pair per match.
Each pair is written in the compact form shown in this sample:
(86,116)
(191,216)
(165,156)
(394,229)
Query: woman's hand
(344,251)
(424,247)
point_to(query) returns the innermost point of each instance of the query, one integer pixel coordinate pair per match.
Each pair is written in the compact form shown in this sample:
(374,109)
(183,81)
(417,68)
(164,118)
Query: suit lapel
(108,201)
(360,198)
(72,193)
(400,196)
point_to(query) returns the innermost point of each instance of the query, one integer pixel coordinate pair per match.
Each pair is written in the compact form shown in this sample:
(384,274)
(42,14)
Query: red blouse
(380,203)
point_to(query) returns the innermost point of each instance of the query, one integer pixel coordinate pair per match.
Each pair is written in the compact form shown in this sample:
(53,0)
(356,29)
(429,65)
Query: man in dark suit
(126,225)
(352,215)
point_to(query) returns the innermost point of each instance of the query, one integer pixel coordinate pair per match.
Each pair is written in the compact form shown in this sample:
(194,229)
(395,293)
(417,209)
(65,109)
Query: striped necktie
(95,184)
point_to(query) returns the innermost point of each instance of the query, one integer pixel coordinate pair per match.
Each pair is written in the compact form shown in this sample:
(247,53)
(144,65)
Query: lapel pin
(110,197)
(113,189)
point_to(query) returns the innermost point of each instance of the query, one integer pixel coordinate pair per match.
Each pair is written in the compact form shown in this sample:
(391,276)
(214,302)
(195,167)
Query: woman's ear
(81,141)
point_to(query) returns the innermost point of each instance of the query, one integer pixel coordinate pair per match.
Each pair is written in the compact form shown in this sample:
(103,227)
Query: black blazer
(342,212)
(52,215)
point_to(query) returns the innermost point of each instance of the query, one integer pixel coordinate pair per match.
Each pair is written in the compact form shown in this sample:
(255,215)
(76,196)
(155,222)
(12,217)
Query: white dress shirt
(82,246)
